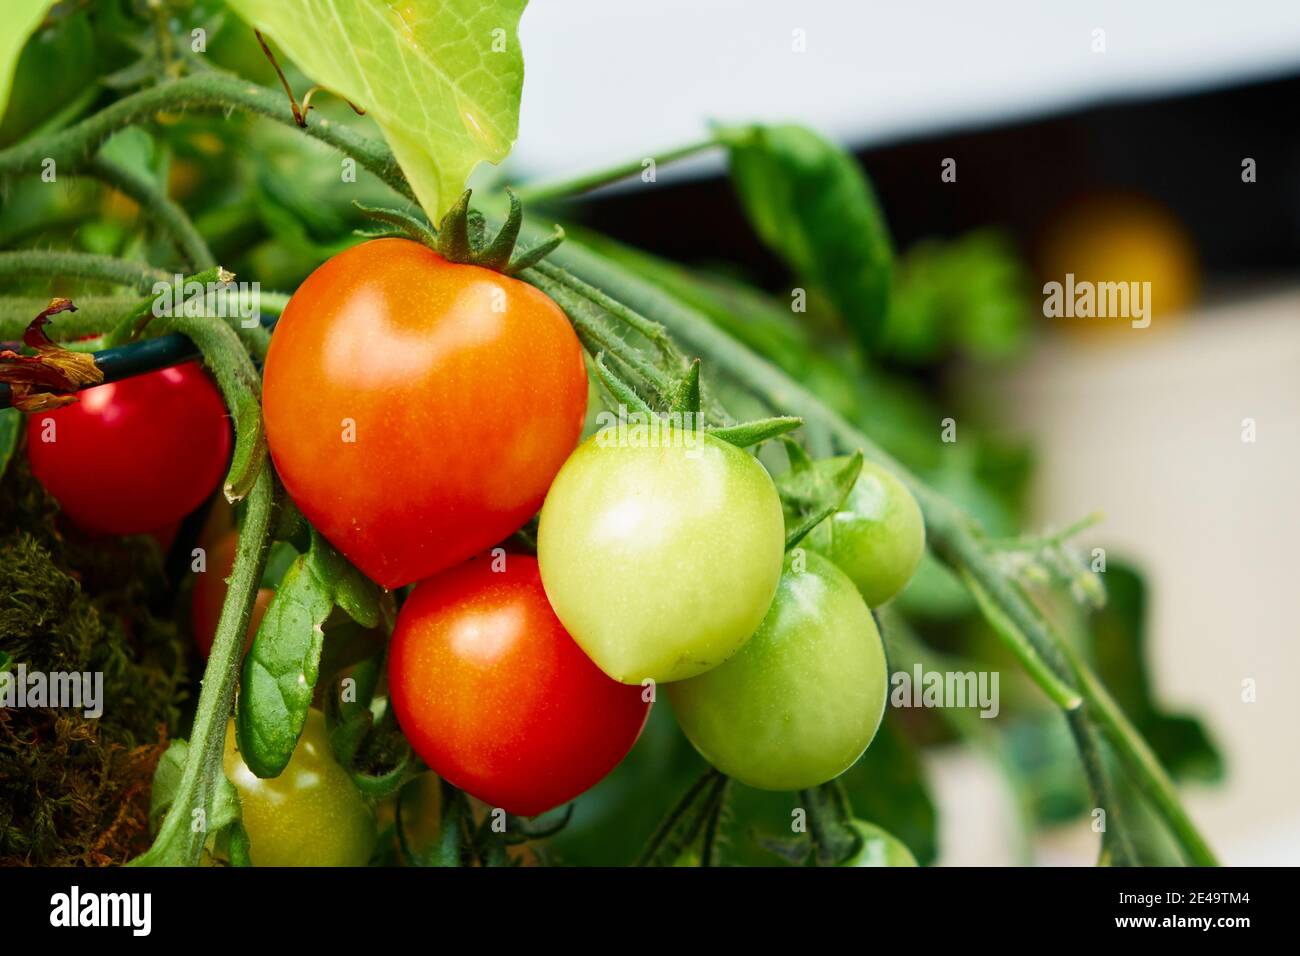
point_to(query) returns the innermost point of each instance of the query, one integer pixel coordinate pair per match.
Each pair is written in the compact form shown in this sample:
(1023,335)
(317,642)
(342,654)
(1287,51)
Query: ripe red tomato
(131,457)
(210,594)
(496,696)
(416,409)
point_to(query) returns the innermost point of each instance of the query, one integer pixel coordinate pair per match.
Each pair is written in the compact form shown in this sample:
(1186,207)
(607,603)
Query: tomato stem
(569,188)
(180,842)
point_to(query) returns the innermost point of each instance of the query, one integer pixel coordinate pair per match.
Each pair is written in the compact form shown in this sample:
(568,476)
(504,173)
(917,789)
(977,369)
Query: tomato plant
(417,409)
(402,404)
(877,537)
(131,457)
(495,695)
(801,701)
(661,561)
(310,815)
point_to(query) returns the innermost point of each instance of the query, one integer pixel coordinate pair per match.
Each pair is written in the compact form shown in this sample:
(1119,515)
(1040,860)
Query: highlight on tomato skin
(134,456)
(417,409)
(497,698)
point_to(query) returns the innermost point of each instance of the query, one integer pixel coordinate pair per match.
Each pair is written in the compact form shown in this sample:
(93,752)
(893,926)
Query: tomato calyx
(812,491)
(462,235)
(52,377)
(684,408)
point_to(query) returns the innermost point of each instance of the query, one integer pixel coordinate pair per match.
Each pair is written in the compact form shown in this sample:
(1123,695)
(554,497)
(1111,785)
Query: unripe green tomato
(660,561)
(801,701)
(310,815)
(878,848)
(878,537)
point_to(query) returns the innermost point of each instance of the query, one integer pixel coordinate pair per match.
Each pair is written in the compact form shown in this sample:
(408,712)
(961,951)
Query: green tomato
(803,699)
(878,848)
(661,556)
(878,537)
(310,815)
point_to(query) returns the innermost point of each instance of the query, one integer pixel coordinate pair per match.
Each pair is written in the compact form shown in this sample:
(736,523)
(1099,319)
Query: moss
(75,790)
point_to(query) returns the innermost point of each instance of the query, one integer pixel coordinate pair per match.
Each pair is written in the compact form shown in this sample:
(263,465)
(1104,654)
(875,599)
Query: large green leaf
(812,205)
(441,77)
(22,17)
(1119,635)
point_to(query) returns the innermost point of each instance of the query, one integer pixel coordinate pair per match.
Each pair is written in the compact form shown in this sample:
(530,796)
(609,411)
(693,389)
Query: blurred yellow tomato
(1116,264)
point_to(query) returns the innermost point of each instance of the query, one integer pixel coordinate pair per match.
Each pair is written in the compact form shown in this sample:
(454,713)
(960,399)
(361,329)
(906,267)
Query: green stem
(1041,541)
(240,386)
(682,823)
(568,188)
(1061,694)
(209,90)
(713,822)
(177,843)
(1150,776)
(1103,792)
(28,263)
(159,206)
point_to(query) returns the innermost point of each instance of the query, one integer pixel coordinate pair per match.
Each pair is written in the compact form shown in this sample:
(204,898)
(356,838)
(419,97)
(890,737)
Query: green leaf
(1119,637)
(11,424)
(281,669)
(442,78)
(22,17)
(969,295)
(812,205)
(223,813)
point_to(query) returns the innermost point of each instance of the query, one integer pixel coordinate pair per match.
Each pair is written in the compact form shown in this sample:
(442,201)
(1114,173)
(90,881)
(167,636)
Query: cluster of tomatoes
(420,412)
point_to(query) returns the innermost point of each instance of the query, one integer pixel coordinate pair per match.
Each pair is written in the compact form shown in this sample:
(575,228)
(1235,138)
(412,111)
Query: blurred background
(1117,156)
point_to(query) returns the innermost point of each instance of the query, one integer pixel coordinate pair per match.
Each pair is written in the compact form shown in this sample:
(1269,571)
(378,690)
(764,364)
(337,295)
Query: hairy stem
(209,90)
(29,263)
(178,843)
(568,188)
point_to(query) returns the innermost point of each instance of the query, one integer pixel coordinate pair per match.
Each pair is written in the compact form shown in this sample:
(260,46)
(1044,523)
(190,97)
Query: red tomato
(210,594)
(417,410)
(133,456)
(496,696)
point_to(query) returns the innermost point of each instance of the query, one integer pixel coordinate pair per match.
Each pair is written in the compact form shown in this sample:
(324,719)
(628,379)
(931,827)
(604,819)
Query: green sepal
(685,397)
(756,432)
(453,232)
(400,224)
(619,390)
(812,493)
(496,254)
(530,257)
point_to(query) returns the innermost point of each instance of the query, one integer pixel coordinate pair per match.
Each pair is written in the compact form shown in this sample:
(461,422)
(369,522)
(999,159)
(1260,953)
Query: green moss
(75,790)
